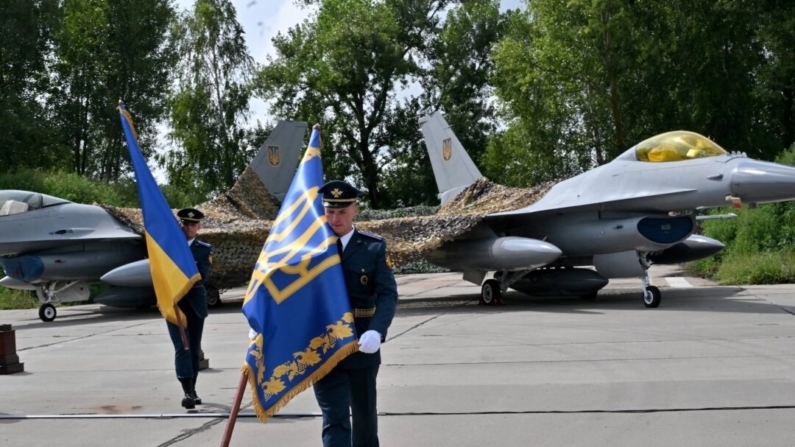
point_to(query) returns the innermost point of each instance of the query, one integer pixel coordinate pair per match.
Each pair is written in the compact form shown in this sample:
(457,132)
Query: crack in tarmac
(427,321)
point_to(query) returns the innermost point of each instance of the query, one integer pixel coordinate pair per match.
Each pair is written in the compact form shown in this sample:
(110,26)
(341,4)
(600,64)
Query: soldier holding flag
(350,388)
(194,306)
(175,270)
(304,326)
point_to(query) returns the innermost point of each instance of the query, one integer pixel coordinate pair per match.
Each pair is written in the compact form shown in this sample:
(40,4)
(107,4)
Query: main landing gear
(492,289)
(490,293)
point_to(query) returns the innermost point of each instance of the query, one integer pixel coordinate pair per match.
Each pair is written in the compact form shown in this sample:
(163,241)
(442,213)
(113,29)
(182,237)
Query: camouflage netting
(238,222)
(248,197)
(410,238)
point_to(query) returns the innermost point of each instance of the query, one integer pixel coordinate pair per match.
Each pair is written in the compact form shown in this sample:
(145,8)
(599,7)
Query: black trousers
(344,389)
(186,363)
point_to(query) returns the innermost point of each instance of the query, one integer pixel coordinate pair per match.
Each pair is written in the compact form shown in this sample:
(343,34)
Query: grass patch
(17,299)
(757,268)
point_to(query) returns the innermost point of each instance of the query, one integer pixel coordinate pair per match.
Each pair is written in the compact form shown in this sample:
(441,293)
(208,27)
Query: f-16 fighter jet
(57,247)
(619,218)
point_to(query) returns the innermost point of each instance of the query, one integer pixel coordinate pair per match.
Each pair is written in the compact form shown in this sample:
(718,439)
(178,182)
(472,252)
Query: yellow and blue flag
(172,265)
(297,301)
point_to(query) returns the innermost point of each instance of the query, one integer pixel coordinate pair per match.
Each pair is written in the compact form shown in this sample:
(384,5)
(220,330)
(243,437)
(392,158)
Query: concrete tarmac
(712,366)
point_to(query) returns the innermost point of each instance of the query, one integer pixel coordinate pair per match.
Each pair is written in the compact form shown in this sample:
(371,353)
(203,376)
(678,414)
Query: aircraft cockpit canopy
(15,202)
(677,146)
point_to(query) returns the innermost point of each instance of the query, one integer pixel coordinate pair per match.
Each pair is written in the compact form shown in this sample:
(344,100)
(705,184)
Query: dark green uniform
(351,385)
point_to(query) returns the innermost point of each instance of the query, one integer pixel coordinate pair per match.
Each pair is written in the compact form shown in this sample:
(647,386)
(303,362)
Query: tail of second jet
(260,189)
(452,167)
(277,159)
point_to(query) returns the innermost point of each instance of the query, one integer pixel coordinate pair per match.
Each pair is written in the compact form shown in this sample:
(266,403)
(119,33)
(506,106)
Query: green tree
(208,113)
(25,33)
(108,50)
(459,81)
(554,95)
(776,90)
(345,67)
(357,66)
(583,80)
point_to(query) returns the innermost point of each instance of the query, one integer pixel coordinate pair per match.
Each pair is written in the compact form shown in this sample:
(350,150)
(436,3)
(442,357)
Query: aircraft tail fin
(277,159)
(452,167)
(260,189)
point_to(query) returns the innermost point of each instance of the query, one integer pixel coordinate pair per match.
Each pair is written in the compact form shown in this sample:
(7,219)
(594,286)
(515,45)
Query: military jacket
(197,296)
(371,284)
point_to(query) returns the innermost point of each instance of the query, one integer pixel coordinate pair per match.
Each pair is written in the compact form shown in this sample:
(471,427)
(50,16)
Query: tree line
(547,91)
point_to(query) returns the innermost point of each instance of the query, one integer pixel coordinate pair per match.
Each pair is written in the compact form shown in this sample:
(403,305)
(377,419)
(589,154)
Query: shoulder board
(204,244)
(368,234)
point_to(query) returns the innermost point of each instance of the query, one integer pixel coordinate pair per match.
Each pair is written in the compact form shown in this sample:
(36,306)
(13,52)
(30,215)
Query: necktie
(339,246)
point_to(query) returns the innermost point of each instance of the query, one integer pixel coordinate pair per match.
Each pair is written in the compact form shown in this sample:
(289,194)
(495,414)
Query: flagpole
(230,424)
(184,337)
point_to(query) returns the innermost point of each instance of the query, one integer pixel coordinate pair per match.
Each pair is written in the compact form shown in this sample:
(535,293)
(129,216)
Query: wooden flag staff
(185,344)
(230,424)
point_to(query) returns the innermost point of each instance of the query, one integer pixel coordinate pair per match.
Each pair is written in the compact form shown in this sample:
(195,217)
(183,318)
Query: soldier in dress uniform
(350,388)
(194,306)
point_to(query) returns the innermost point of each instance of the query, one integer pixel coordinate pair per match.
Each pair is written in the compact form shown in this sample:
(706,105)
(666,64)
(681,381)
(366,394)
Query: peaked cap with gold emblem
(190,215)
(338,194)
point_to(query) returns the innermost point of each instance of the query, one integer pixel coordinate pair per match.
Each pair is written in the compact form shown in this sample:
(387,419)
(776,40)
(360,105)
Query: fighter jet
(58,248)
(613,221)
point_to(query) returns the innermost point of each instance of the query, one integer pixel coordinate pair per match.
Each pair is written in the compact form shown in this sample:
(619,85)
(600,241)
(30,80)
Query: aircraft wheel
(213,297)
(652,297)
(589,296)
(47,312)
(490,293)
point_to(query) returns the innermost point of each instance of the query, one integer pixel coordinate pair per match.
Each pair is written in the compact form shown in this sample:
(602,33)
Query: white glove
(252,334)
(370,342)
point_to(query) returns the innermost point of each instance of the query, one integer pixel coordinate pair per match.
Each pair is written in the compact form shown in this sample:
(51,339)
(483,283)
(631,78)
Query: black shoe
(187,387)
(188,403)
(196,399)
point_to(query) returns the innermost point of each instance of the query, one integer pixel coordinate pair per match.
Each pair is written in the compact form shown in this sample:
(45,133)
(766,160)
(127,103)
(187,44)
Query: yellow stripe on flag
(170,282)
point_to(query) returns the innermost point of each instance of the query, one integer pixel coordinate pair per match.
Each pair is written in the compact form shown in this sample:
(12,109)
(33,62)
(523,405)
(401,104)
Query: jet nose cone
(761,182)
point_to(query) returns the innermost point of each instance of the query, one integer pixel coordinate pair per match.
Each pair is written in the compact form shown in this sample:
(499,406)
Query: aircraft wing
(631,203)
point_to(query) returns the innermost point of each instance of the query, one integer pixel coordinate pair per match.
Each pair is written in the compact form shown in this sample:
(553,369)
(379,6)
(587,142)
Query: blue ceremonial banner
(296,300)
(173,269)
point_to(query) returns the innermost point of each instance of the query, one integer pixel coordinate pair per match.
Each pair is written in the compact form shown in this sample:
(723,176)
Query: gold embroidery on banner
(311,152)
(311,356)
(265,267)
